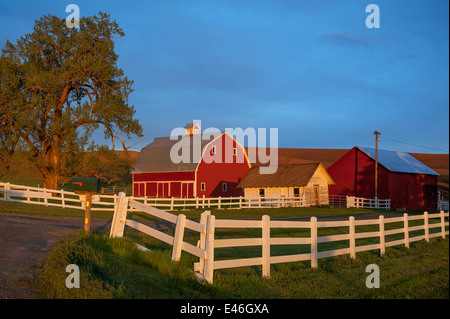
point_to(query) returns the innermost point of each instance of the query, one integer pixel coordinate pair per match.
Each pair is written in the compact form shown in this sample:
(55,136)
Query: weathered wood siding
(318,178)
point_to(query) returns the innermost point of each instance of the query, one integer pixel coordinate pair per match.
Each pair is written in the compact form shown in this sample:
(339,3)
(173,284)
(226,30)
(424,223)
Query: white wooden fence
(66,199)
(50,197)
(223,202)
(442,205)
(103,202)
(361,202)
(120,220)
(208,244)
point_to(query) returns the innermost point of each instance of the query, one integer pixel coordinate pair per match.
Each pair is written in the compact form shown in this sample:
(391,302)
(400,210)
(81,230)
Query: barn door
(187,190)
(184,191)
(139,189)
(415,197)
(163,189)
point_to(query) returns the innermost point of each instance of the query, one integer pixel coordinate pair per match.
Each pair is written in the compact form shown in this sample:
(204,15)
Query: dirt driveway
(24,241)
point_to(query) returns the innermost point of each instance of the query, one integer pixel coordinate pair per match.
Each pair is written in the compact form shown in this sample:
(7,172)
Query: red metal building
(409,183)
(214,166)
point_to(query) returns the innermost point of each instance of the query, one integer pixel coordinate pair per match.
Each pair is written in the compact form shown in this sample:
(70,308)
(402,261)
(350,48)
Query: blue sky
(312,69)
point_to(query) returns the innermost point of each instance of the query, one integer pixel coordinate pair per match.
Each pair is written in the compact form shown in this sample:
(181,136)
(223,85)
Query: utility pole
(376,163)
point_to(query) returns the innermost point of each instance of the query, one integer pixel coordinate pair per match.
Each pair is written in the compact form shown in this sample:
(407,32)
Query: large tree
(57,86)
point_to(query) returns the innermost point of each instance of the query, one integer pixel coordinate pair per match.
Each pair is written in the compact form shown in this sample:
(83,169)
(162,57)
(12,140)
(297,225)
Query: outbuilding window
(261,192)
(203,186)
(224,187)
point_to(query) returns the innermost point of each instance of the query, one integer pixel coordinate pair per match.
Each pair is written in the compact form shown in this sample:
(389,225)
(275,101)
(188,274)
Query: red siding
(164,184)
(354,174)
(164,176)
(215,174)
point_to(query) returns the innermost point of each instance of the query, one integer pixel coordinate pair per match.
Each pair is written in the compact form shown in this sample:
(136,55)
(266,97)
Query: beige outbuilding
(308,182)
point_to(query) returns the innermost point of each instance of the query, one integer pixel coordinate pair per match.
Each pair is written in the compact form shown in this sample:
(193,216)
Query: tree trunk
(51,181)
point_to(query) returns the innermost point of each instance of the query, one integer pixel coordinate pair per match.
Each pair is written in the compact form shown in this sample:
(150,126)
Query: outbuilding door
(316,195)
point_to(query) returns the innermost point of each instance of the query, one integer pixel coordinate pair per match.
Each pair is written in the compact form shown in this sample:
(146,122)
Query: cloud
(347,40)
(407,56)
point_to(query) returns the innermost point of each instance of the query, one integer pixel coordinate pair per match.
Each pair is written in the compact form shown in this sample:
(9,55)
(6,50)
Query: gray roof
(155,157)
(398,161)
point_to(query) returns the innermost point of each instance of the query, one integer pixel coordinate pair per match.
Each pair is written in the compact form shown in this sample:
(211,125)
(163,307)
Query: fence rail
(208,244)
(360,202)
(50,197)
(104,202)
(313,241)
(223,202)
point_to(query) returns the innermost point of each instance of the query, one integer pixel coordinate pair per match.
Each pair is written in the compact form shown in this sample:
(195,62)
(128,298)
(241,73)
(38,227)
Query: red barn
(409,183)
(214,166)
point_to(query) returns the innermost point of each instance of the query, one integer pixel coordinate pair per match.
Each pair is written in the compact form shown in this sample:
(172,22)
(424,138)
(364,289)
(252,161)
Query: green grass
(114,268)
(194,214)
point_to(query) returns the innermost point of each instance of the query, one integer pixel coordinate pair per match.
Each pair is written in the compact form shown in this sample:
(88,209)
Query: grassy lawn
(114,268)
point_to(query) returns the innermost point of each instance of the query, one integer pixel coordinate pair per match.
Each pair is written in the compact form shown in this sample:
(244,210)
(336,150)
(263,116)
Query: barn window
(234,151)
(203,186)
(224,187)
(213,150)
(296,192)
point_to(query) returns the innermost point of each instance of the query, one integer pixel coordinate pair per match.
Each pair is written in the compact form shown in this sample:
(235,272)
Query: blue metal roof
(398,161)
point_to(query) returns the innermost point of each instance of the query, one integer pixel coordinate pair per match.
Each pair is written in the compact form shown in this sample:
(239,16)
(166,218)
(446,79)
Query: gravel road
(24,241)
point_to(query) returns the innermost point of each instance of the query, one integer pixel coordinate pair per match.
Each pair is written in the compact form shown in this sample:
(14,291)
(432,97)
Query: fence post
(202,242)
(208,271)
(120,216)
(240,202)
(351,221)
(219,202)
(382,239)
(406,226)
(425,225)
(7,192)
(442,224)
(266,246)
(171,203)
(63,202)
(178,238)
(313,227)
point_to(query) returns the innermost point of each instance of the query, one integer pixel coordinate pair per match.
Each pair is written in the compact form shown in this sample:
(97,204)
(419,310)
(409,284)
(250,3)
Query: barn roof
(294,175)
(155,157)
(398,161)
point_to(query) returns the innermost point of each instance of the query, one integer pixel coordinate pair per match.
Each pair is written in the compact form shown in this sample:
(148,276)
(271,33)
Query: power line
(431,148)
